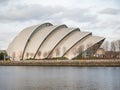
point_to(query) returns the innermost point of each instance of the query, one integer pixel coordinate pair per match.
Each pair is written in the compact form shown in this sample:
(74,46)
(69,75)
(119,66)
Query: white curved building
(49,41)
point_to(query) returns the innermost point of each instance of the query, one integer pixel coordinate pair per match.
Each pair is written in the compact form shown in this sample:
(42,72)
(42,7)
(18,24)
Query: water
(59,78)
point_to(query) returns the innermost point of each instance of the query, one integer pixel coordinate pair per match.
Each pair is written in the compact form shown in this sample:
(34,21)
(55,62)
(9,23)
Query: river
(59,78)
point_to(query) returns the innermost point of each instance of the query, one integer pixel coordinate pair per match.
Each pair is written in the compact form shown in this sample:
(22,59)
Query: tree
(113,46)
(113,49)
(1,56)
(45,54)
(31,55)
(118,47)
(80,50)
(74,51)
(89,49)
(77,52)
(50,55)
(27,54)
(39,54)
(57,52)
(20,55)
(118,41)
(105,46)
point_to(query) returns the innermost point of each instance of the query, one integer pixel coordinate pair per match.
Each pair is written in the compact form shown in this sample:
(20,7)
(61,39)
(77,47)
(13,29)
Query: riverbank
(82,63)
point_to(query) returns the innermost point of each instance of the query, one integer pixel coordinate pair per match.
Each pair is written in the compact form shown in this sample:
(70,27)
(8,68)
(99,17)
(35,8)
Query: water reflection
(59,78)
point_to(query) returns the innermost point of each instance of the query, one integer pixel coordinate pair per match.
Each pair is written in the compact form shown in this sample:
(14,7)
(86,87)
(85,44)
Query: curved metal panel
(76,43)
(74,30)
(35,31)
(36,40)
(87,43)
(18,43)
(10,47)
(38,37)
(68,42)
(57,28)
(95,46)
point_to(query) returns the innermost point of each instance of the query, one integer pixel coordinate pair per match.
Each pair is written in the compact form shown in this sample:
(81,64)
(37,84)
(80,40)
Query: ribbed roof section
(37,39)
(54,39)
(33,34)
(69,41)
(18,44)
(84,44)
(48,41)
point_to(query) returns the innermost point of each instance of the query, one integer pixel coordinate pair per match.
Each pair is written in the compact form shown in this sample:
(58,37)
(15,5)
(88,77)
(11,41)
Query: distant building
(100,52)
(49,41)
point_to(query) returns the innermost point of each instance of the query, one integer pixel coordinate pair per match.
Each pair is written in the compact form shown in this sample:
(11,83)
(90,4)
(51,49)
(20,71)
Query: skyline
(101,17)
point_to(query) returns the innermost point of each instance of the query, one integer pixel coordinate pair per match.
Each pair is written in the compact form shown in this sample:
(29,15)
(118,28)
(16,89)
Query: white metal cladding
(74,30)
(34,33)
(37,39)
(85,44)
(48,35)
(69,42)
(9,49)
(49,39)
(54,39)
(20,41)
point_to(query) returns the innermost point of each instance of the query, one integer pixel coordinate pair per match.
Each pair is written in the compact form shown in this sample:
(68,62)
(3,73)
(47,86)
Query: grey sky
(102,17)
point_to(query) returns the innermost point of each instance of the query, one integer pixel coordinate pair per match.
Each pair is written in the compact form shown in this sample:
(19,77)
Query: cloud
(23,13)
(4,2)
(78,15)
(110,11)
(87,15)
(6,38)
(38,12)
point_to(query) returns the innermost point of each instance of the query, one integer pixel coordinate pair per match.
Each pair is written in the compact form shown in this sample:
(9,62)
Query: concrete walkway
(100,62)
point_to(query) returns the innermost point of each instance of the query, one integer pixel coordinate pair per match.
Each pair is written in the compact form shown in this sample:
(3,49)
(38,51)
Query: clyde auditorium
(51,41)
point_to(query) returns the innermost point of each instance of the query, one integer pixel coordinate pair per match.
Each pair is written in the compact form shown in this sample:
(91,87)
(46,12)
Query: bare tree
(113,47)
(105,46)
(51,55)
(45,54)
(20,55)
(57,52)
(80,49)
(74,51)
(31,55)
(39,54)
(27,54)
(118,41)
(119,48)
(89,49)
